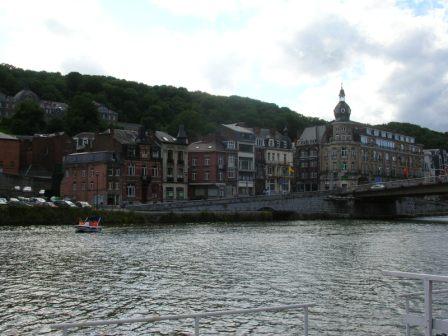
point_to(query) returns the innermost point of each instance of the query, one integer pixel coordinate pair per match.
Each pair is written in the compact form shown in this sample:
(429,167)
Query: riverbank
(70,216)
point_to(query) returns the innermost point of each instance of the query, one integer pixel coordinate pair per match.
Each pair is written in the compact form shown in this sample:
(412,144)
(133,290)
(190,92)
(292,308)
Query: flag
(290,170)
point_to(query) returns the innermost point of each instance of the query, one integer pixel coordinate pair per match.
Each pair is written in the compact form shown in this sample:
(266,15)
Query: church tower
(342,110)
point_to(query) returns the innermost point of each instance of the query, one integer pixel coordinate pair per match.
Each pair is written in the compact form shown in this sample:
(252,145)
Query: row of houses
(132,165)
(127,166)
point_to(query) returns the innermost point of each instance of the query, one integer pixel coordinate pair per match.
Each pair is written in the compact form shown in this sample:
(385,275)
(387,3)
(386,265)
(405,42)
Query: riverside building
(274,162)
(353,153)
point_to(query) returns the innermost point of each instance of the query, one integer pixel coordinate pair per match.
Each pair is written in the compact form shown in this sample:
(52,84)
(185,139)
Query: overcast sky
(392,56)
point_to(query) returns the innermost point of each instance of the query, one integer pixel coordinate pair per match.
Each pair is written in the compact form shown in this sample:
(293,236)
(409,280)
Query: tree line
(157,107)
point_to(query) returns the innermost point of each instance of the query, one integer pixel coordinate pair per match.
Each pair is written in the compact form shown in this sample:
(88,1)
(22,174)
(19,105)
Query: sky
(391,56)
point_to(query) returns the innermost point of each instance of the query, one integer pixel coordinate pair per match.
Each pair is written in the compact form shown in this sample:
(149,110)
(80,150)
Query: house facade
(207,171)
(355,153)
(274,162)
(174,163)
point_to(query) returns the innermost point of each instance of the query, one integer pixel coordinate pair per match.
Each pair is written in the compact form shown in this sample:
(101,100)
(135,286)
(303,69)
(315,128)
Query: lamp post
(97,174)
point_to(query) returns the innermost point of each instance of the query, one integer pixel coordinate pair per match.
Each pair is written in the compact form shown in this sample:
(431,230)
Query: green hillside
(157,107)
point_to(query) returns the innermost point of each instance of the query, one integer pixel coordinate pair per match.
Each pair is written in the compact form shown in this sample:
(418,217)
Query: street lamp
(97,174)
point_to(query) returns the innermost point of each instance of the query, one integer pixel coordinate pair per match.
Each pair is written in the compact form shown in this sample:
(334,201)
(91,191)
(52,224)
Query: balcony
(180,179)
(170,179)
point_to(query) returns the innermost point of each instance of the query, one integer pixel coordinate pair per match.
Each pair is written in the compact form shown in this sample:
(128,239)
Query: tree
(82,115)
(27,119)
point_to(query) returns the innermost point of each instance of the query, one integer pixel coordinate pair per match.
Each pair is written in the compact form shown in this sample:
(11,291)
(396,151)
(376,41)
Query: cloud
(324,46)
(391,57)
(418,86)
(57,27)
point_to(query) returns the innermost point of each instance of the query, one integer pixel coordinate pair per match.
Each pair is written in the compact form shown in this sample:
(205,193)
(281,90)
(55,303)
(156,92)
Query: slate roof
(4,136)
(240,129)
(165,137)
(205,146)
(313,134)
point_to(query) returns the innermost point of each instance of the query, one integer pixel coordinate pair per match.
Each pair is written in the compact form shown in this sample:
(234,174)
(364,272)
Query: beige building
(274,162)
(174,164)
(355,153)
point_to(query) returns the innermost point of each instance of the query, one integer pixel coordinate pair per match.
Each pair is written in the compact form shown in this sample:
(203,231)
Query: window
(259,142)
(130,190)
(344,166)
(83,173)
(110,185)
(220,160)
(230,144)
(246,148)
(67,173)
(131,169)
(83,186)
(221,176)
(117,186)
(193,162)
(206,161)
(74,186)
(206,176)
(231,161)
(144,171)
(110,172)
(91,172)
(271,143)
(193,176)
(91,186)
(154,171)
(344,152)
(180,156)
(117,172)
(169,172)
(284,158)
(170,156)
(269,156)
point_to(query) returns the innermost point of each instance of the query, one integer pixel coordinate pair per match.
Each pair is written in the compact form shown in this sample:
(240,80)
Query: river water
(50,275)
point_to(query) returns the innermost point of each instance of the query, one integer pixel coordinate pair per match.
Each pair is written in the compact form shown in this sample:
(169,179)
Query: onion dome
(342,110)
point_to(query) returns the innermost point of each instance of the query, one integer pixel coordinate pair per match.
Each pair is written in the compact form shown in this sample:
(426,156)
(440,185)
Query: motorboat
(90,224)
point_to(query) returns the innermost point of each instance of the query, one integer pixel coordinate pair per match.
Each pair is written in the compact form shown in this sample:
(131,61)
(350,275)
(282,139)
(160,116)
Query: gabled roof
(88,135)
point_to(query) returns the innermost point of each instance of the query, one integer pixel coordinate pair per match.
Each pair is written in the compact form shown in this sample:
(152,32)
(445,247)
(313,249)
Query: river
(50,274)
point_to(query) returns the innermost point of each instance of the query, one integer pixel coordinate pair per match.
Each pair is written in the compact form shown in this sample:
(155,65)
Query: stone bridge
(391,199)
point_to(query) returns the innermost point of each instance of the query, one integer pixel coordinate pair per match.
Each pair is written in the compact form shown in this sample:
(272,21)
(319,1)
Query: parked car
(3,201)
(60,203)
(17,202)
(38,201)
(83,204)
(50,204)
(70,204)
(378,186)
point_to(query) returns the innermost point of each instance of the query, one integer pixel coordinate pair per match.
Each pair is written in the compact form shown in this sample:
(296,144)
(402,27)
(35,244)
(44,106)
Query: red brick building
(92,176)
(9,154)
(207,170)
(133,174)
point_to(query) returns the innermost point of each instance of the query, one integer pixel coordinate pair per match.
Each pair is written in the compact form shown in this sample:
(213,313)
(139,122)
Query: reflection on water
(51,274)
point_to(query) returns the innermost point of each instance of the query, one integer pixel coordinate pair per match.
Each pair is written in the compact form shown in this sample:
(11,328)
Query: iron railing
(426,321)
(65,327)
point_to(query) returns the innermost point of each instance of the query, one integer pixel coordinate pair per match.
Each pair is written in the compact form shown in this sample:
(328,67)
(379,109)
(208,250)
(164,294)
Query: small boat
(90,224)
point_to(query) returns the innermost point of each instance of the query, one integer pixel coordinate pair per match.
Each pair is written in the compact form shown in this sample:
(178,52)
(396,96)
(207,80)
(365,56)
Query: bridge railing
(65,327)
(428,180)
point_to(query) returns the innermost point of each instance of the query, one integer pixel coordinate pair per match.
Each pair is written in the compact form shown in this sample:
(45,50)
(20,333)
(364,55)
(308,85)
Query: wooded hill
(156,107)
